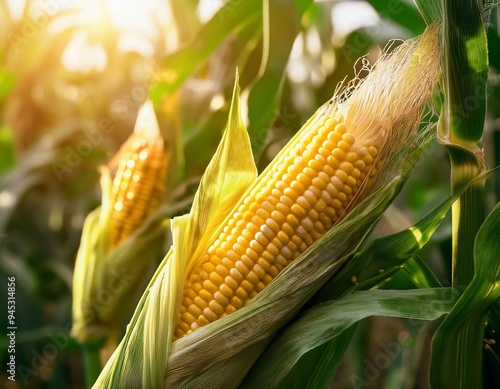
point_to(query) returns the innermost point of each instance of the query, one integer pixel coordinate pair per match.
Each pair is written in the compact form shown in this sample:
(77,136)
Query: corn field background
(73,76)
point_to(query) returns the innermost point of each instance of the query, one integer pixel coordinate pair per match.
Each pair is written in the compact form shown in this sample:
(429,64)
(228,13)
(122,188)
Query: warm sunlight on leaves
(76,181)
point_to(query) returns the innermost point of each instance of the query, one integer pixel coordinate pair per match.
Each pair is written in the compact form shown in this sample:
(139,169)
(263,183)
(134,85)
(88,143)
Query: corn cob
(138,184)
(315,180)
(295,202)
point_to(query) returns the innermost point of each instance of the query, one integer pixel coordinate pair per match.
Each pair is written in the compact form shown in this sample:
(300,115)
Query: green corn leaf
(401,13)
(264,95)
(420,274)
(321,363)
(232,17)
(201,139)
(459,339)
(328,320)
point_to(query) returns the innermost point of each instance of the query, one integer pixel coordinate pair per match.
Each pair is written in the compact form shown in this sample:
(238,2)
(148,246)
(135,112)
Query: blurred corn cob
(314,181)
(139,182)
(128,223)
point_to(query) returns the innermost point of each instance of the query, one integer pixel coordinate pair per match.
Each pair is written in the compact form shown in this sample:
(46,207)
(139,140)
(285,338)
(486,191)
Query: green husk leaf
(233,169)
(459,339)
(103,280)
(431,10)
(326,321)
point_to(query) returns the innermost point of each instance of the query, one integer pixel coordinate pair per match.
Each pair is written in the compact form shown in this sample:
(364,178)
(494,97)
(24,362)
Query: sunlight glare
(140,26)
(82,56)
(136,20)
(208,8)
(7,199)
(16,8)
(217,102)
(349,16)
(417,234)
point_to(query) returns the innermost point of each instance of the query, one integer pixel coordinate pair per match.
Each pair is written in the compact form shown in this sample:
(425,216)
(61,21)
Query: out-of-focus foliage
(72,77)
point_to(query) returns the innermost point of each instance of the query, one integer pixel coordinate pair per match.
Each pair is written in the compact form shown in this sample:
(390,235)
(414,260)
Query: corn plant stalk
(462,330)
(465,68)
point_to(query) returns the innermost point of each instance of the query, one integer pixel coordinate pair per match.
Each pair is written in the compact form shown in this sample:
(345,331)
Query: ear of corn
(123,239)
(307,189)
(139,182)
